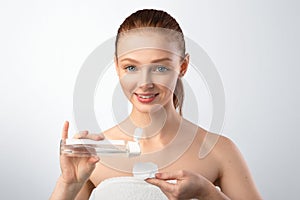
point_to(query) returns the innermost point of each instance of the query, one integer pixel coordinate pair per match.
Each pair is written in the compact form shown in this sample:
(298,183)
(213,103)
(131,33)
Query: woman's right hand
(77,170)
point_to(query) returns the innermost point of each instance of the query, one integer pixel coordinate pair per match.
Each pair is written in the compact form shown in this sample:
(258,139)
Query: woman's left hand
(188,185)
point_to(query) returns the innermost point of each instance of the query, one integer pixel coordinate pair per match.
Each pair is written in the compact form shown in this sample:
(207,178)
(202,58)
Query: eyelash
(160,68)
(129,66)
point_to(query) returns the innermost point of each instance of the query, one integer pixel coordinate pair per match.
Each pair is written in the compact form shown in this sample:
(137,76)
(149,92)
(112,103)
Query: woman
(150,60)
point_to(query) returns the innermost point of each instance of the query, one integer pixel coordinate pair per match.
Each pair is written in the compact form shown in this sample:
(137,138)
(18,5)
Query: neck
(144,120)
(159,126)
(157,116)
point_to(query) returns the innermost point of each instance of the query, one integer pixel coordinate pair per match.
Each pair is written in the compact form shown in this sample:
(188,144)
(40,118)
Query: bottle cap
(134,148)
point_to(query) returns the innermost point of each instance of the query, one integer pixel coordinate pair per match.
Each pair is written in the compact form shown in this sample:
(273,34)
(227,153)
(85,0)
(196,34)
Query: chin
(147,108)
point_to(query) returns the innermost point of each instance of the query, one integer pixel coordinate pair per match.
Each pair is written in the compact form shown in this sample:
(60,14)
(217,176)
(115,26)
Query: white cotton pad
(144,170)
(172,181)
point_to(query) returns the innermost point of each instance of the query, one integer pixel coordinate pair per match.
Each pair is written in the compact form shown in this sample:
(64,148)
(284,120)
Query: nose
(145,79)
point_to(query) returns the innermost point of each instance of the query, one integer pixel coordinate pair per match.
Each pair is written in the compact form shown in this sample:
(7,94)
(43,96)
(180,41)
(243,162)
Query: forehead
(150,55)
(154,41)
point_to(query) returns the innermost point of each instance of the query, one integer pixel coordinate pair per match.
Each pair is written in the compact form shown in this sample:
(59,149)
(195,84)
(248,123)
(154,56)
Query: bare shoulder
(215,145)
(226,151)
(110,132)
(226,146)
(235,178)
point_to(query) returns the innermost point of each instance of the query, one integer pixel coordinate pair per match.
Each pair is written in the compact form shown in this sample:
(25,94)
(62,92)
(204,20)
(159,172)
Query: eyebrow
(153,61)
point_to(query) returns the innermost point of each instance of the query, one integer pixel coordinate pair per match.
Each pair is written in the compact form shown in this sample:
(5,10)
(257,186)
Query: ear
(117,65)
(184,65)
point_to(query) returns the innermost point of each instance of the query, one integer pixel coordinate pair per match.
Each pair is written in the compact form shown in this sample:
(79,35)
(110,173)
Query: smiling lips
(146,98)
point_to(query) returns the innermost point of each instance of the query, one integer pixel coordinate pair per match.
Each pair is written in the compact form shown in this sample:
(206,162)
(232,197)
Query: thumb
(64,133)
(92,161)
(170,175)
(163,185)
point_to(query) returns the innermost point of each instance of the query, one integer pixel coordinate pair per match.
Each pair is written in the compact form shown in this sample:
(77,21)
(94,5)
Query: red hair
(160,19)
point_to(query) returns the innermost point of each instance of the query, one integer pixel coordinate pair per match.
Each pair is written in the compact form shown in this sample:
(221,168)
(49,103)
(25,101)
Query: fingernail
(100,137)
(96,158)
(83,132)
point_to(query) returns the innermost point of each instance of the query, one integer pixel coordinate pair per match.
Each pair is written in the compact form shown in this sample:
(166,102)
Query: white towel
(126,188)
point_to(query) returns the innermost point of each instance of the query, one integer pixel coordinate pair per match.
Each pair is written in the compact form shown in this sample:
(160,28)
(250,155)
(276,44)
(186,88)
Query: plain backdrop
(254,45)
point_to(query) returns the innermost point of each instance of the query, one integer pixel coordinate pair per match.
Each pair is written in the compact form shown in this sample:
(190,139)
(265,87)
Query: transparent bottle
(87,147)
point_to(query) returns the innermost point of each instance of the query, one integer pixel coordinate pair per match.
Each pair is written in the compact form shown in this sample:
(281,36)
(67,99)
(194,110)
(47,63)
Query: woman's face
(148,70)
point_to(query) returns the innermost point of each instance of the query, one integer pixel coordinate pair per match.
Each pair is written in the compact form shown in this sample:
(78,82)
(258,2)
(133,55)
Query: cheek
(128,85)
(168,82)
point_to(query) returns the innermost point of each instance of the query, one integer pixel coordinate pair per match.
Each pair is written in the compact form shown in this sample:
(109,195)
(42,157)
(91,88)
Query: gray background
(254,44)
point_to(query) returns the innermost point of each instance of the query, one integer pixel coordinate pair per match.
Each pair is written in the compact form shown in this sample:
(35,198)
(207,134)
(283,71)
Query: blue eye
(161,69)
(130,68)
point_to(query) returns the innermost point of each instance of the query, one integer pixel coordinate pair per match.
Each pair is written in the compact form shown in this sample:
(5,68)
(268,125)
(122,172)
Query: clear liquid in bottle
(87,147)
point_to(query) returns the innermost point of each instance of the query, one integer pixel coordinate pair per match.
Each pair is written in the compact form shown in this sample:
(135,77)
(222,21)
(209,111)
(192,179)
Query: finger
(93,160)
(81,134)
(95,136)
(170,175)
(86,135)
(163,185)
(91,163)
(64,134)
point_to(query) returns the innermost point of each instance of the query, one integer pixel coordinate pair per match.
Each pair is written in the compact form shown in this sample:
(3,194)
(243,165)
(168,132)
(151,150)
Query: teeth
(147,97)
